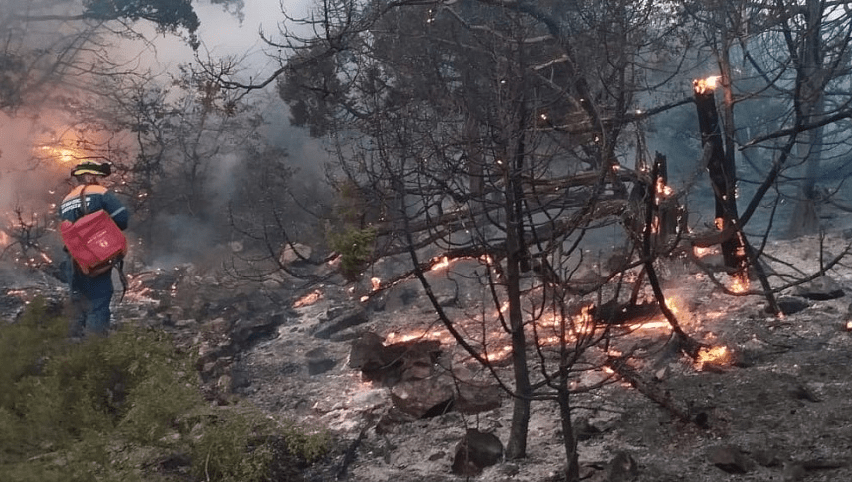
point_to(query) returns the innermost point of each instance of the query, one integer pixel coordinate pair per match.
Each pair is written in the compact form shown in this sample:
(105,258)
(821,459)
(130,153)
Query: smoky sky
(33,179)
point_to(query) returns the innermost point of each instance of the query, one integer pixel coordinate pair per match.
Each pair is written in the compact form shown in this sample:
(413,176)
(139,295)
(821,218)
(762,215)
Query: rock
(473,398)
(363,352)
(341,320)
(424,398)
(584,430)
(730,459)
(622,468)
(821,288)
(247,331)
(793,472)
(476,451)
(410,360)
(319,361)
(791,304)
(289,256)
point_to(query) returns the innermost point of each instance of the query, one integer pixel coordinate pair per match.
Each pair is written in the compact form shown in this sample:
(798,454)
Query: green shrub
(355,247)
(109,408)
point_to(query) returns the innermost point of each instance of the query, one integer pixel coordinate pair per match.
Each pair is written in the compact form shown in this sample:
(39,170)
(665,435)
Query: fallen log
(660,396)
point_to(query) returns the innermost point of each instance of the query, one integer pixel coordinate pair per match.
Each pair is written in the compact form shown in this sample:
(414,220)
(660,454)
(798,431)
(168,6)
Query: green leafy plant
(355,247)
(110,408)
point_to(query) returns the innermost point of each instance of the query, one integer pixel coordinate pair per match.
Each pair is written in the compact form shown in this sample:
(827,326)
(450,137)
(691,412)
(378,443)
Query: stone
(424,398)
(821,288)
(730,459)
(476,451)
(319,362)
(791,304)
(289,256)
(622,468)
(364,351)
(340,321)
(473,398)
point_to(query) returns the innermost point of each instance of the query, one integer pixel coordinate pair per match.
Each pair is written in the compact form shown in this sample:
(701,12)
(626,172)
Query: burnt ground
(778,408)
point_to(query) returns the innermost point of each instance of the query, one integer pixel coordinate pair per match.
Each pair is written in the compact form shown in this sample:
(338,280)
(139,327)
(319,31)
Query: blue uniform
(91,295)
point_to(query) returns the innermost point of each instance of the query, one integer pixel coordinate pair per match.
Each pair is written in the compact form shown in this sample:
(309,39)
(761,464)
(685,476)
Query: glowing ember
(740,283)
(716,355)
(441,264)
(63,155)
(849,325)
(500,354)
(308,299)
(376,282)
(702,86)
(663,189)
(655,325)
(436,334)
(702,252)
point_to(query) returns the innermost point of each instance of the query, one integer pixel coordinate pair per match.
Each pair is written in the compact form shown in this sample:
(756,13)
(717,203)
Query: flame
(740,283)
(702,86)
(702,252)
(717,355)
(376,282)
(849,325)
(663,190)
(437,334)
(308,299)
(440,264)
(61,154)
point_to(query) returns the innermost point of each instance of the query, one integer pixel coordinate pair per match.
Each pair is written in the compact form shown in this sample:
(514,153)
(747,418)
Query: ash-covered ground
(776,407)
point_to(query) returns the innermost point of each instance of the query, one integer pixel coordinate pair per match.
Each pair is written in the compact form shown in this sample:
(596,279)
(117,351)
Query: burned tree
(487,133)
(723,177)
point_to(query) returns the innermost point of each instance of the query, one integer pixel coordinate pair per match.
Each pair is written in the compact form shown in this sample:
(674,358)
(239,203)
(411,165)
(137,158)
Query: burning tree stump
(723,176)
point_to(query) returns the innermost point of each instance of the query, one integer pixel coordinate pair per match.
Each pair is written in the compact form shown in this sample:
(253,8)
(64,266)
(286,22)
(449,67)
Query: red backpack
(94,241)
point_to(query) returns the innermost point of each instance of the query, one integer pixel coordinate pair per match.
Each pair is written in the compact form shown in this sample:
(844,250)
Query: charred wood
(654,392)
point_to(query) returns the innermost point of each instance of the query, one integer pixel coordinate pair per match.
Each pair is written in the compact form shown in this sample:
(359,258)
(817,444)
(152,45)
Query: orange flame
(702,86)
(702,252)
(441,264)
(717,355)
(740,283)
(308,299)
(61,154)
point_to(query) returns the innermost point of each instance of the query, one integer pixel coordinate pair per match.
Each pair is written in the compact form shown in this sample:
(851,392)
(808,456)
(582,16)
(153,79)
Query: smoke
(28,178)
(39,133)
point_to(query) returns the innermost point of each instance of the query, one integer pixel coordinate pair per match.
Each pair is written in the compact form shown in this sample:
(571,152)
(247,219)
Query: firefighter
(90,295)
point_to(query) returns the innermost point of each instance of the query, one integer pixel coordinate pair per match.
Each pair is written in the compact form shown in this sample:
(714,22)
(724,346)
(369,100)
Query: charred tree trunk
(516,262)
(517,444)
(572,473)
(722,177)
(805,219)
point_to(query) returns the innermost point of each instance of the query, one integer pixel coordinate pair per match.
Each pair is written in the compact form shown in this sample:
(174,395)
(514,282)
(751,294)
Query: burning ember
(702,86)
(716,355)
(308,299)
(441,263)
(702,252)
(740,283)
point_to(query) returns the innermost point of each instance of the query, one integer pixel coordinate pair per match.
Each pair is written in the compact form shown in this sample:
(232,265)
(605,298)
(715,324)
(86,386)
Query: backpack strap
(119,266)
(84,206)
